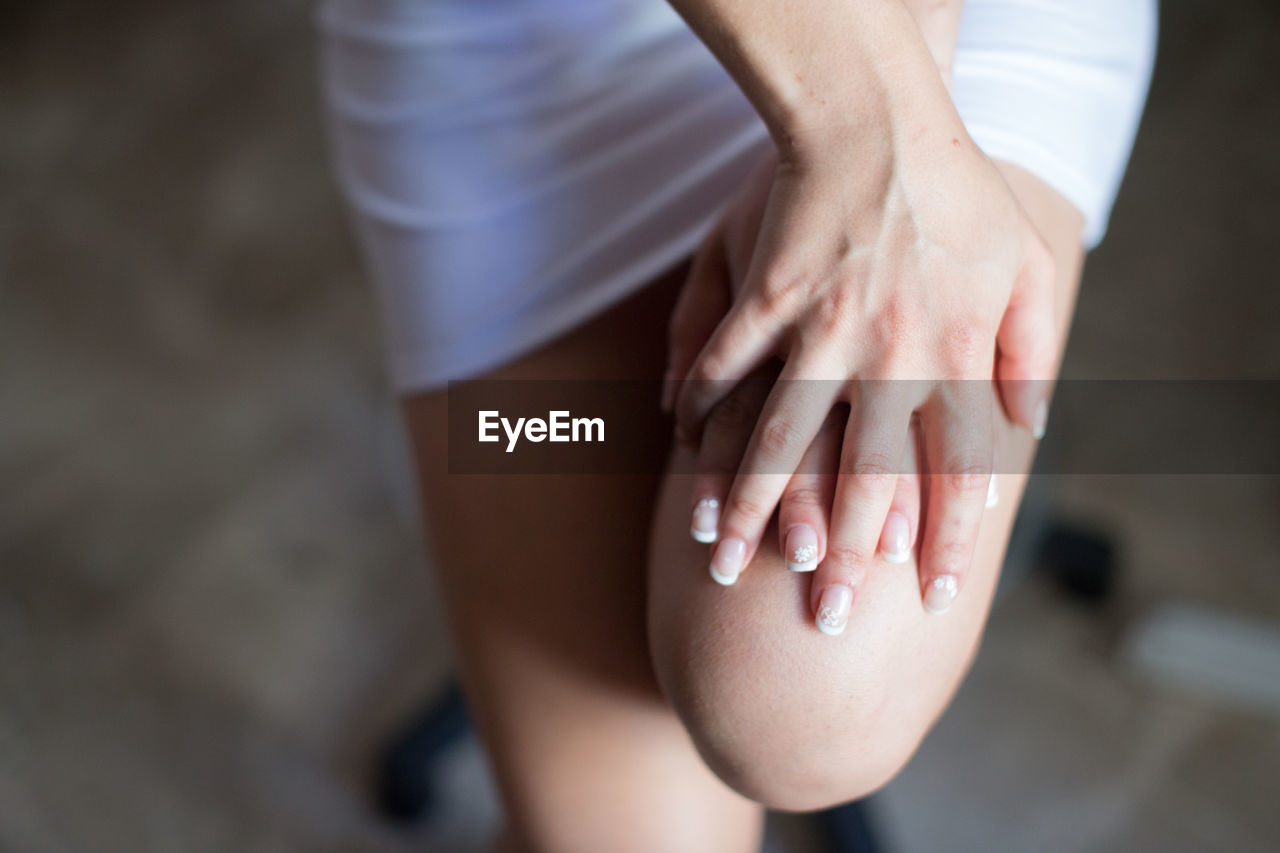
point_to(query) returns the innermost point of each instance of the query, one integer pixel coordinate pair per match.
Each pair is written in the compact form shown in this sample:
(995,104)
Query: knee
(780,721)
(784,714)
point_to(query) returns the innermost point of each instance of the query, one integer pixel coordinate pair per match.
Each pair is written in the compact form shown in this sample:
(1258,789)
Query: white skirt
(514,167)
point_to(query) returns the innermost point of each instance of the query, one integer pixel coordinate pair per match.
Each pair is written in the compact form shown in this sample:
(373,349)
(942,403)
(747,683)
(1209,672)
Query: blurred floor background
(212,604)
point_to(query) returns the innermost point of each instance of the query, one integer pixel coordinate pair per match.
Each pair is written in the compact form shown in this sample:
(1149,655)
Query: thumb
(1028,345)
(703,302)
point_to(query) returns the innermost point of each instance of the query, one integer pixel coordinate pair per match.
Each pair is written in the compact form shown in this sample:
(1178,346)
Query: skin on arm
(939,23)
(816,63)
(798,720)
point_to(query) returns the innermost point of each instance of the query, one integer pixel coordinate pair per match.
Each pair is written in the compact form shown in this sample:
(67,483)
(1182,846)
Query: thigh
(543,583)
(792,717)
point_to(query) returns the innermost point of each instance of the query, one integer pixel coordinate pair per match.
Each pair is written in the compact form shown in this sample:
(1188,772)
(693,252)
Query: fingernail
(940,593)
(726,561)
(895,541)
(993,493)
(833,609)
(1041,419)
(802,548)
(706,515)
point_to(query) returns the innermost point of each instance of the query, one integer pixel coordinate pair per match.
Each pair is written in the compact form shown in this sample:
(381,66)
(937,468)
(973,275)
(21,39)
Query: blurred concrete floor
(211,601)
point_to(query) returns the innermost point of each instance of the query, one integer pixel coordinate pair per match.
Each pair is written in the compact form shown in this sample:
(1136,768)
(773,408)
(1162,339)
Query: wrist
(882,127)
(814,69)
(884,83)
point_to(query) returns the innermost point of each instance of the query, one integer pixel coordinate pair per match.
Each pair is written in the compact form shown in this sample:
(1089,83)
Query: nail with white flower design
(706,517)
(939,593)
(801,548)
(833,609)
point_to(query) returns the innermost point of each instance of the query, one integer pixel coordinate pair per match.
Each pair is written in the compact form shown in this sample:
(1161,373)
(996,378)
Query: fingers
(898,537)
(737,346)
(874,441)
(959,440)
(806,501)
(1027,340)
(724,441)
(703,300)
(791,418)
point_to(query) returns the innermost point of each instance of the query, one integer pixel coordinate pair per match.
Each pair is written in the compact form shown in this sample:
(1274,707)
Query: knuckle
(964,342)
(709,367)
(874,471)
(777,291)
(899,360)
(769,301)
(845,556)
(778,436)
(804,497)
(747,511)
(967,472)
(834,309)
(891,326)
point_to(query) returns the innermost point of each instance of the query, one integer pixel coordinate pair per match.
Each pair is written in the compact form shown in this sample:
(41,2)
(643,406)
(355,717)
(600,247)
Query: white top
(517,166)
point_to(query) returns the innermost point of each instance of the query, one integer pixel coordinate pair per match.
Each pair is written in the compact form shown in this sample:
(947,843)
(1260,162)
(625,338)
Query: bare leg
(549,624)
(785,714)
(544,585)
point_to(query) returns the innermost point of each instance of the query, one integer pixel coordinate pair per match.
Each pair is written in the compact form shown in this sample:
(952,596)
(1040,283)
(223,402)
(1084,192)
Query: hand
(876,260)
(721,263)
(805,507)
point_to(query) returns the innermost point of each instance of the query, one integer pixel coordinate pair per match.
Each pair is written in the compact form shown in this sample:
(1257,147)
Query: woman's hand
(805,507)
(898,256)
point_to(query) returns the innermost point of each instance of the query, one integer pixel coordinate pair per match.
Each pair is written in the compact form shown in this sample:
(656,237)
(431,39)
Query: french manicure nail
(940,593)
(833,609)
(726,561)
(895,541)
(706,516)
(1041,419)
(802,548)
(993,493)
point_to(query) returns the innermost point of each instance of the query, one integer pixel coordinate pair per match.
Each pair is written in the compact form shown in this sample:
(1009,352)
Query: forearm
(939,23)
(812,65)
